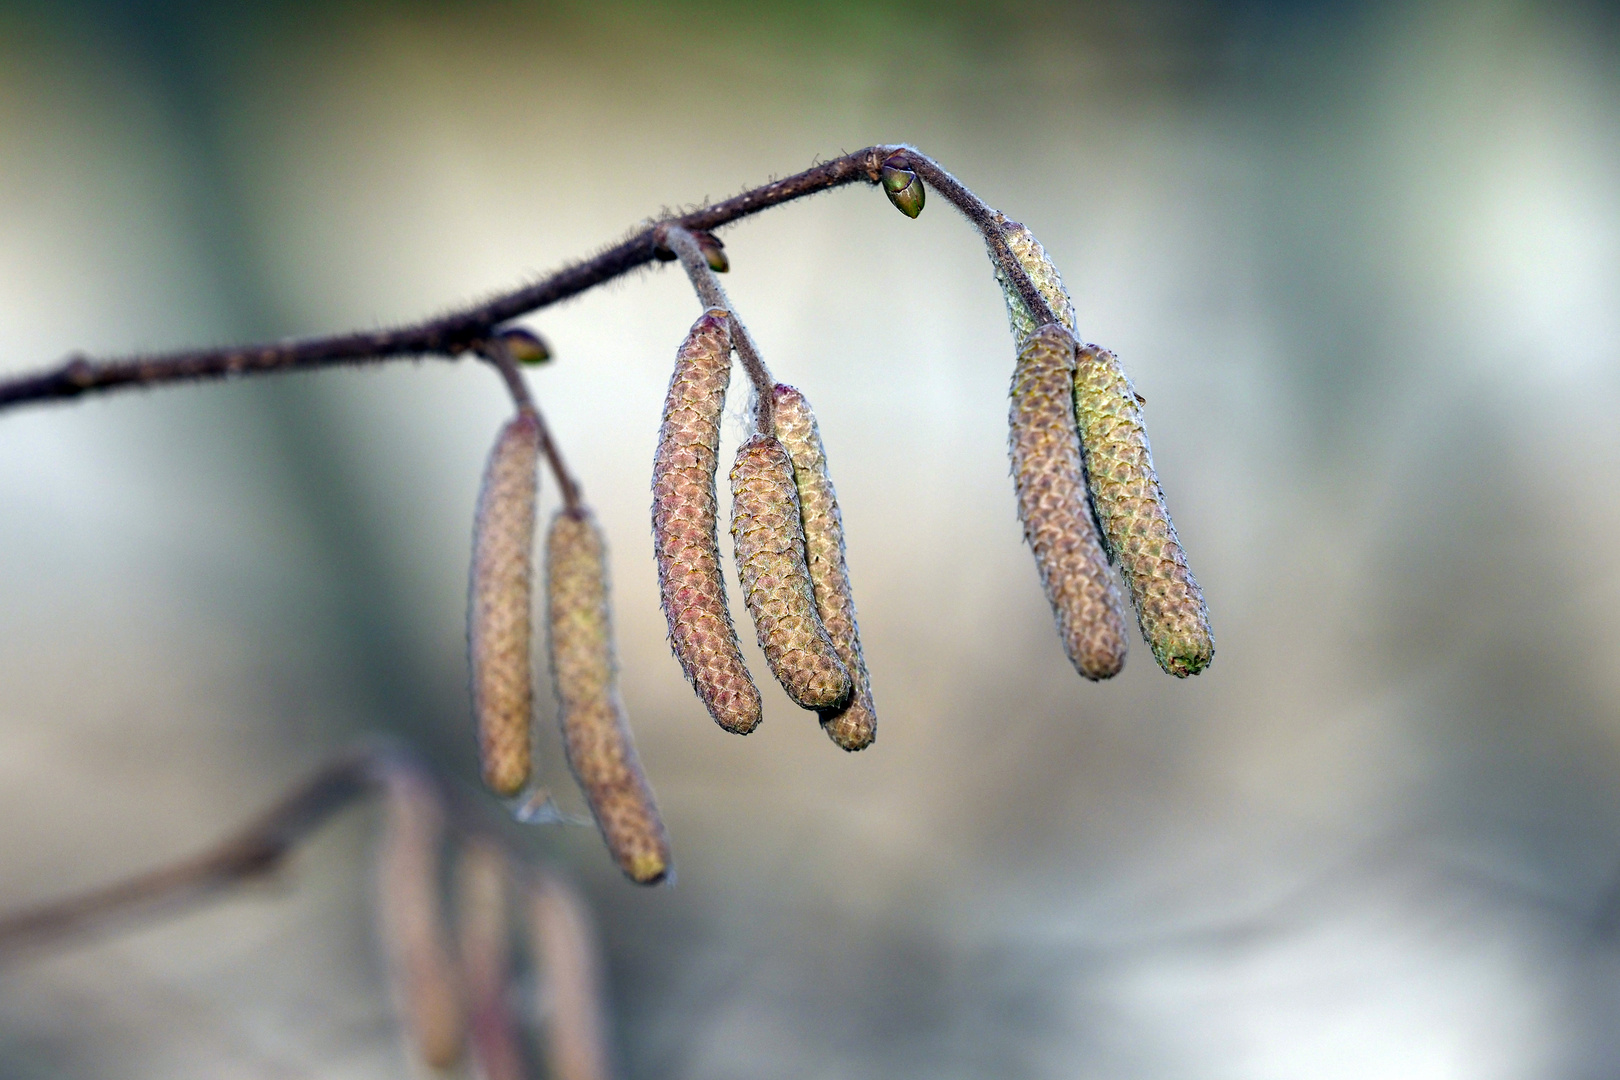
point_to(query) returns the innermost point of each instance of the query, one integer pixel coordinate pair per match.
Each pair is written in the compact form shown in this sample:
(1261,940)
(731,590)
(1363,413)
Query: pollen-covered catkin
(1136,524)
(1048,282)
(855,725)
(685,527)
(767,531)
(596,732)
(421,967)
(1052,504)
(498,604)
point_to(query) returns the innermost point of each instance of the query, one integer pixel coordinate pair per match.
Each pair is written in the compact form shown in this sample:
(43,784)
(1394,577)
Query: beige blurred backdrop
(1362,260)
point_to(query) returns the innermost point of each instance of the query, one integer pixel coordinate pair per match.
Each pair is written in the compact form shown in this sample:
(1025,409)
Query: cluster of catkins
(453,990)
(1087,495)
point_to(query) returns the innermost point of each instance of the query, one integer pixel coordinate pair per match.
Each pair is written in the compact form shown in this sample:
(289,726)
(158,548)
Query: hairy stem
(713,294)
(495,350)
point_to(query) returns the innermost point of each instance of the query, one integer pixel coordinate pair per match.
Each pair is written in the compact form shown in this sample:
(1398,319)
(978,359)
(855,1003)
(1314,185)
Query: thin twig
(986,220)
(499,355)
(447,336)
(713,294)
(252,852)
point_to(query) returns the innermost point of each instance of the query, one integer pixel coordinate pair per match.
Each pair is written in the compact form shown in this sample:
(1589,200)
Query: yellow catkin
(1048,282)
(421,967)
(596,732)
(1052,504)
(565,949)
(768,532)
(1136,523)
(498,606)
(483,919)
(855,725)
(686,524)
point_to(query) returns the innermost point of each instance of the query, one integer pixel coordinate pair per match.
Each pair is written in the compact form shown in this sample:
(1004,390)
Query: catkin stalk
(498,605)
(853,727)
(1048,282)
(566,951)
(767,531)
(421,968)
(1052,504)
(596,732)
(685,527)
(1136,523)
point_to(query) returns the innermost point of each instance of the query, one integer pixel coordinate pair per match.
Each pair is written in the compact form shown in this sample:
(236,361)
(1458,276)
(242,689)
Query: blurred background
(1363,260)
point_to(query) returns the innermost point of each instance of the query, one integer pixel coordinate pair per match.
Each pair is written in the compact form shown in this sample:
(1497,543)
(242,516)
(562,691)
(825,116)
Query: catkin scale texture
(1048,282)
(421,966)
(853,727)
(686,527)
(1052,503)
(1136,524)
(768,532)
(498,605)
(596,732)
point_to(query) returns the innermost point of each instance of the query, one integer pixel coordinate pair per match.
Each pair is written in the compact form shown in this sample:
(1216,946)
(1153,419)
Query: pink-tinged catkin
(1136,523)
(685,527)
(498,606)
(484,923)
(421,964)
(767,531)
(853,727)
(566,951)
(596,732)
(1052,504)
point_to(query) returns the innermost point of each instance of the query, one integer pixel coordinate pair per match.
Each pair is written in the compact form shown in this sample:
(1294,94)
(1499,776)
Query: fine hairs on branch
(1086,490)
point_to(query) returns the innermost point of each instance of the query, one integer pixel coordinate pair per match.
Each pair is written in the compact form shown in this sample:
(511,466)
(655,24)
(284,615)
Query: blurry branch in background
(448,992)
(466,330)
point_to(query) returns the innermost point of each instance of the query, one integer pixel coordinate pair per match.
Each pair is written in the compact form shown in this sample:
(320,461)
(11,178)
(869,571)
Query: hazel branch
(713,294)
(253,852)
(447,336)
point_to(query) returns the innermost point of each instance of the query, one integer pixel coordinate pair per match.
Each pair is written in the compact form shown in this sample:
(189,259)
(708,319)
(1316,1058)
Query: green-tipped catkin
(483,919)
(685,527)
(1052,504)
(596,732)
(421,967)
(855,725)
(498,605)
(767,531)
(566,951)
(1136,524)
(1048,282)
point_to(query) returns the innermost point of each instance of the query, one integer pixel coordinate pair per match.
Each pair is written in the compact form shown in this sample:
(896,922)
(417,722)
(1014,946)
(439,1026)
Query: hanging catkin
(768,532)
(1048,282)
(498,605)
(1052,504)
(1136,524)
(596,733)
(569,958)
(421,967)
(483,879)
(855,725)
(685,527)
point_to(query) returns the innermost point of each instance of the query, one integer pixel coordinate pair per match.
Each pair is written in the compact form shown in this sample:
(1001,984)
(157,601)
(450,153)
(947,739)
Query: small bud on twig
(525,347)
(855,725)
(1052,504)
(1135,520)
(685,527)
(768,533)
(596,733)
(709,244)
(498,605)
(903,187)
(426,989)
